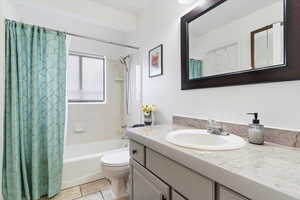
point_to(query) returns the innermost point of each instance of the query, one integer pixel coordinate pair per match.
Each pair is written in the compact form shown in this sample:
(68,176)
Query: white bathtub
(82,161)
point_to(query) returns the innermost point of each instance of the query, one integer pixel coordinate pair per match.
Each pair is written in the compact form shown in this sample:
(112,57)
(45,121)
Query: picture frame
(156,61)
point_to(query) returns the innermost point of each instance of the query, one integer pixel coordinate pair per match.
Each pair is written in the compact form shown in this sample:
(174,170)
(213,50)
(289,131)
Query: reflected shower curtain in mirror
(195,69)
(35,92)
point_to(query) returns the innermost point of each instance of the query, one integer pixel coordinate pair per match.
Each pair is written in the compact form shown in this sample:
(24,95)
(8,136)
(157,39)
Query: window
(86,78)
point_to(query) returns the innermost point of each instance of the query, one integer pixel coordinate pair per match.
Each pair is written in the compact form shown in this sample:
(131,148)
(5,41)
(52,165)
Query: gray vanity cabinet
(145,186)
(156,177)
(191,185)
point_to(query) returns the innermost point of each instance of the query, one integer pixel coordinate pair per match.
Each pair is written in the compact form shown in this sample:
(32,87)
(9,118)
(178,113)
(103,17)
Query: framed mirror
(236,42)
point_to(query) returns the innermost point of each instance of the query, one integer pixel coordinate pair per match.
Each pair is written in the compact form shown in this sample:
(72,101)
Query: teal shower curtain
(195,69)
(35,85)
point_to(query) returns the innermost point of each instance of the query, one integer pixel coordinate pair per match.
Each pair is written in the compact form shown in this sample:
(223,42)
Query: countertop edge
(249,188)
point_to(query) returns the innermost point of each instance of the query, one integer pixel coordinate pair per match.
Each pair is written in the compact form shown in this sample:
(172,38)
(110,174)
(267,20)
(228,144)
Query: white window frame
(81,55)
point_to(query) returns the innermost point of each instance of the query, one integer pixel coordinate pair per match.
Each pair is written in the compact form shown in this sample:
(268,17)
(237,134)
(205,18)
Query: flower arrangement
(148,109)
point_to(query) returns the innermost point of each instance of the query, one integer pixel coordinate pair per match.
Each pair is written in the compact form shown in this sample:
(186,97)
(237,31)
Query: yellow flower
(148,108)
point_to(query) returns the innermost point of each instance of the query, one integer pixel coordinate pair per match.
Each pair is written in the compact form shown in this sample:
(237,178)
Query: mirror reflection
(236,36)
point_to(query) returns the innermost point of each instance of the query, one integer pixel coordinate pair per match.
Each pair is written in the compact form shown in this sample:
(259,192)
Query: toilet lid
(120,158)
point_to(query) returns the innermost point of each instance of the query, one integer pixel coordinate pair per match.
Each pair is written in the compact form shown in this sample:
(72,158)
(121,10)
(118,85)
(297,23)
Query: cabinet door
(146,186)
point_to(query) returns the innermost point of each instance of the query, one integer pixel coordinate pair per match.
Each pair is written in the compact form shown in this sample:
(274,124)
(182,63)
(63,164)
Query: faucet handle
(214,123)
(215,127)
(210,125)
(211,121)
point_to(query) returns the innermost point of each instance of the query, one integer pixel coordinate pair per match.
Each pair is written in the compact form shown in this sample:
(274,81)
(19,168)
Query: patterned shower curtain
(35,85)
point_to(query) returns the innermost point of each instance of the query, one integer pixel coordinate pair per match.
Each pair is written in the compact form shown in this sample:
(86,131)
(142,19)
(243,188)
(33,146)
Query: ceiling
(133,6)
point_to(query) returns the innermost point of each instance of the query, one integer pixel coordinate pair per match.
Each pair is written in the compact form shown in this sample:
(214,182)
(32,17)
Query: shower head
(123,59)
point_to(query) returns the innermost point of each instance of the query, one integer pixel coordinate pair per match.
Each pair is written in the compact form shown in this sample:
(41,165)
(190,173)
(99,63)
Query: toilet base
(119,187)
(115,167)
(113,197)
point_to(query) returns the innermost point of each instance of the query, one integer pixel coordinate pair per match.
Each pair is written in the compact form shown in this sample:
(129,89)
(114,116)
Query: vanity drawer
(224,193)
(137,152)
(188,183)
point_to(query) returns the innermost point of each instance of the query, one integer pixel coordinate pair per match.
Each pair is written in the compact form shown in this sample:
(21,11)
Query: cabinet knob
(134,151)
(162,197)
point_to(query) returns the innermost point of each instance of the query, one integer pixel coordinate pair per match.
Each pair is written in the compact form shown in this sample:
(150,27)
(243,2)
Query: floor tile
(96,196)
(68,194)
(124,198)
(108,196)
(94,187)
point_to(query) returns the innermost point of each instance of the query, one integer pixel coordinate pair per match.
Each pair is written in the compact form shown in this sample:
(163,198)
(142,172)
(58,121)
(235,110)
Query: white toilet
(115,166)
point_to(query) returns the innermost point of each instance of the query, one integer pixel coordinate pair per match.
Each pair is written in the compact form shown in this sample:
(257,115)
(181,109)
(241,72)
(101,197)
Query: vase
(148,119)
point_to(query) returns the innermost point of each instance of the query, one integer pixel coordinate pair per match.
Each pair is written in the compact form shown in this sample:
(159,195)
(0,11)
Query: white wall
(66,20)
(88,11)
(2,35)
(277,103)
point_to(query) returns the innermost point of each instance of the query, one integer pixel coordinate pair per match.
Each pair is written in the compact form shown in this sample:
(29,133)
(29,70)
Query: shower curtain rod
(103,41)
(86,37)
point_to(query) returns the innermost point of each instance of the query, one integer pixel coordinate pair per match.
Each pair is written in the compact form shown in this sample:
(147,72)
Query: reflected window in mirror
(225,42)
(267,46)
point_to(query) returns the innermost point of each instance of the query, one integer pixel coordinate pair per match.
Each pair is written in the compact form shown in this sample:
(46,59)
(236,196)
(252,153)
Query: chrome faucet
(216,128)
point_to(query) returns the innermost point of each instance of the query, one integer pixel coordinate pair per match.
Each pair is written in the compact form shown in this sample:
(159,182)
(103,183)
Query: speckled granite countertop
(268,172)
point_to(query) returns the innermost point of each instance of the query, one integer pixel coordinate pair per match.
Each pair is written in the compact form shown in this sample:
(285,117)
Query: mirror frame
(286,72)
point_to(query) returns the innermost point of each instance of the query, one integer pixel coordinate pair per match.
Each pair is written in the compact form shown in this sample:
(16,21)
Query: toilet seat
(116,159)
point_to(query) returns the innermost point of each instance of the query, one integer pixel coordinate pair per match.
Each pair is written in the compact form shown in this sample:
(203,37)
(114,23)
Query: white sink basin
(202,140)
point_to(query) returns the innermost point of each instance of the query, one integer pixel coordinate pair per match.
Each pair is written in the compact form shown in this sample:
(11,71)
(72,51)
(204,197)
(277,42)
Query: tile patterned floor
(97,190)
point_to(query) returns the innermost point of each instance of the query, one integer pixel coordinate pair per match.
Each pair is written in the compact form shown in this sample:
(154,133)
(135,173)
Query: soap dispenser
(256,131)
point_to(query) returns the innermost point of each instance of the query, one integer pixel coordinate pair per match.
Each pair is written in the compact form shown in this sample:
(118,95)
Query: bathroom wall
(277,103)
(68,20)
(93,13)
